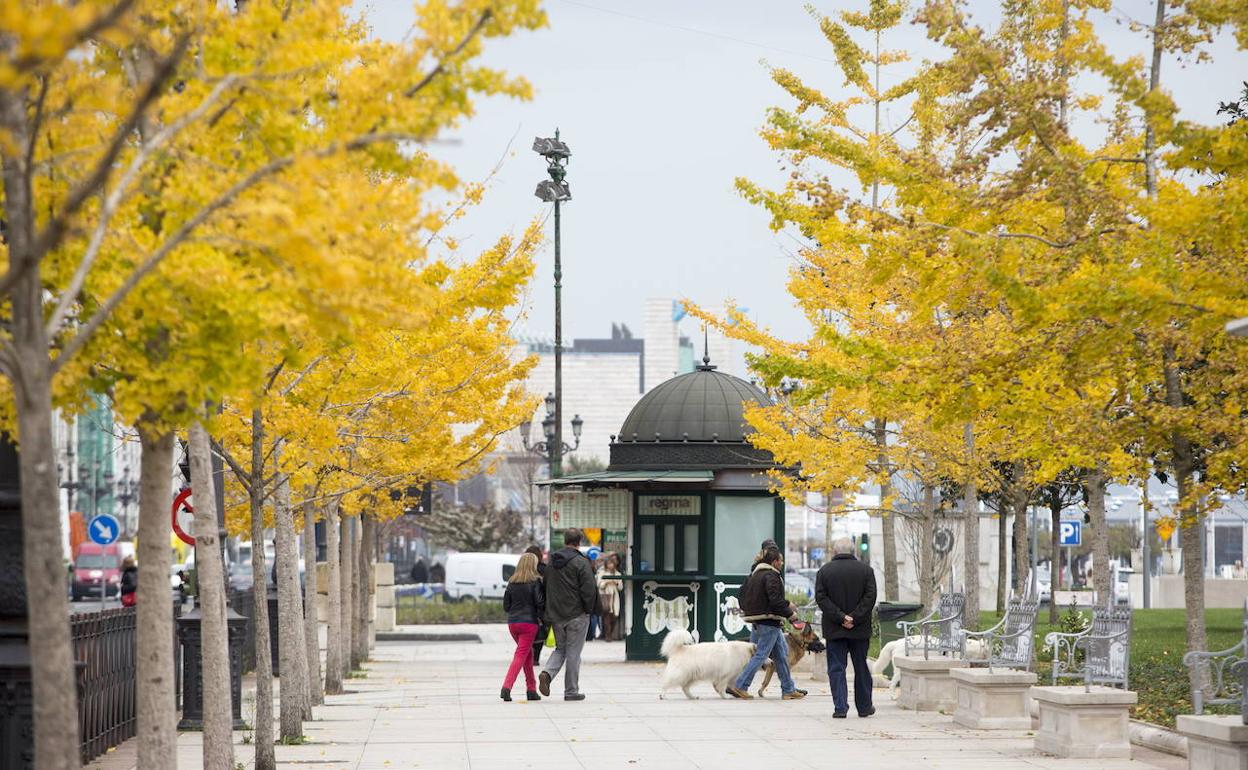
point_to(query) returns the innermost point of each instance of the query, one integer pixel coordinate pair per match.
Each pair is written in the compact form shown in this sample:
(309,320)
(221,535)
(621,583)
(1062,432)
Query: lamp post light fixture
(555,190)
(127,494)
(553,445)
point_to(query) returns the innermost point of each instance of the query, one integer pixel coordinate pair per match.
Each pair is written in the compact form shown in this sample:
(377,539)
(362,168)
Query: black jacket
(570,587)
(762,598)
(845,586)
(524,602)
(129,580)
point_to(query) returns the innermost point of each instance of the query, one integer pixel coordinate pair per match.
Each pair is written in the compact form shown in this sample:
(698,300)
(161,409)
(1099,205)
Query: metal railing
(104,648)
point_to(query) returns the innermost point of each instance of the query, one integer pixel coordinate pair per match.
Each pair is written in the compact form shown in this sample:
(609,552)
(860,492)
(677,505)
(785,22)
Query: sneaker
(543,684)
(741,694)
(505,694)
(532,695)
(838,715)
(865,714)
(795,695)
(574,696)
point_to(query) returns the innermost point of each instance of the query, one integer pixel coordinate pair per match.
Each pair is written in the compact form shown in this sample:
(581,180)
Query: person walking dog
(845,592)
(764,605)
(571,594)
(524,601)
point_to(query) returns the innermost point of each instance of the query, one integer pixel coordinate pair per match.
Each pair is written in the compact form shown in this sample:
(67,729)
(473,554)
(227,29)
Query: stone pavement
(436,705)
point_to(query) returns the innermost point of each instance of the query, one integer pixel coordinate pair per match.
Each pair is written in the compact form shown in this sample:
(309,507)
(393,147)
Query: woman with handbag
(524,602)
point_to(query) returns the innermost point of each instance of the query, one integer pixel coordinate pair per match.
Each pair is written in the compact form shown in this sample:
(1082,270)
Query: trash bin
(888,615)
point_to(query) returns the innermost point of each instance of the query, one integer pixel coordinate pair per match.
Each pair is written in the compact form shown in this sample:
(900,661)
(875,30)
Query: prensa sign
(669,505)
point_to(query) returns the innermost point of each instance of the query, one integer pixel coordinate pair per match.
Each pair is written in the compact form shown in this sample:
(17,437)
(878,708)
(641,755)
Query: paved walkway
(435,705)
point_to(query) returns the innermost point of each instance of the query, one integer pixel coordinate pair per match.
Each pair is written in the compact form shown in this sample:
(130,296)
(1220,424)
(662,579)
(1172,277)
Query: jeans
(522,634)
(856,650)
(769,643)
(569,640)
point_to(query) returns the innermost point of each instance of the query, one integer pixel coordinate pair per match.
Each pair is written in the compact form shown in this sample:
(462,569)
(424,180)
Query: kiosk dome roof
(702,405)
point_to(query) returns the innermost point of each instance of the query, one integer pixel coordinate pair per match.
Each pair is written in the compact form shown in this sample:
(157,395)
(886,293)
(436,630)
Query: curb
(417,636)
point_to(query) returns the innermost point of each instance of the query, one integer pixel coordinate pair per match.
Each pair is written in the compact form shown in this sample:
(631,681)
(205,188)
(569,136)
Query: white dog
(976,649)
(687,663)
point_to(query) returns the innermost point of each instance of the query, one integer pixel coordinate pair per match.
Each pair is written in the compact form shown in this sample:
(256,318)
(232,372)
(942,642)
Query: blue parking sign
(1071,533)
(104,529)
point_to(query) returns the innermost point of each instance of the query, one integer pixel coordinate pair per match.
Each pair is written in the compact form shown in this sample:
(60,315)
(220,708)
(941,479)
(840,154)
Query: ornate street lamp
(553,445)
(555,190)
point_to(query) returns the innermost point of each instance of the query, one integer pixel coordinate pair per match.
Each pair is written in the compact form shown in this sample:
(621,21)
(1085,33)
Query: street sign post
(1071,534)
(183,516)
(104,529)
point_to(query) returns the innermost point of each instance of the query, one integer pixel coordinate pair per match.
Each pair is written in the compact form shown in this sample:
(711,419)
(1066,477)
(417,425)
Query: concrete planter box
(384,621)
(1084,724)
(385,596)
(926,685)
(992,700)
(1215,742)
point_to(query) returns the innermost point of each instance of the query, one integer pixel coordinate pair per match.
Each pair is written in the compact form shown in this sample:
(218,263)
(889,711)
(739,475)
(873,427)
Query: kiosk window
(645,541)
(669,548)
(691,548)
(741,523)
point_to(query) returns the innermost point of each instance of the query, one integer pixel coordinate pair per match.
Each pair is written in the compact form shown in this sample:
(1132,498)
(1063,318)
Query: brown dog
(799,643)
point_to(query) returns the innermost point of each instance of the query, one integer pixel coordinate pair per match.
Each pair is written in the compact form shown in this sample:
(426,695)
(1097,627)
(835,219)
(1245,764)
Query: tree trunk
(333,646)
(1102,579)
(218,739)
(970,536)
(1003,557)
(265,759)
(363,547)
(155,702)
(294,677)
(888,530)
(927,549)
(311,623)
(346,559)
(1022,561)
(1055,566)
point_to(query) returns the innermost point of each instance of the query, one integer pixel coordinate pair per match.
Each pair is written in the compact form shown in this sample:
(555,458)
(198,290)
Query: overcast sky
(661,102)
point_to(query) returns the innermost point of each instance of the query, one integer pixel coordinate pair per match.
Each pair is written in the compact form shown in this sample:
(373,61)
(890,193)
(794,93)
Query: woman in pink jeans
(524,602)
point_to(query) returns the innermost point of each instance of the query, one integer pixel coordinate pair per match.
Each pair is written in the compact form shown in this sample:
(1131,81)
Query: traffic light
(864,547)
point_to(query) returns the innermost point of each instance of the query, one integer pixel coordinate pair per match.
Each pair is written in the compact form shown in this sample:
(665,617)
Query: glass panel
(691,548)
(645,547)
(508,571)
(741,524)
(669,547)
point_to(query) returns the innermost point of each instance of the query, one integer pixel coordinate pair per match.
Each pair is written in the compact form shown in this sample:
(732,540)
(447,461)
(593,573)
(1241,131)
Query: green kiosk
(686,504)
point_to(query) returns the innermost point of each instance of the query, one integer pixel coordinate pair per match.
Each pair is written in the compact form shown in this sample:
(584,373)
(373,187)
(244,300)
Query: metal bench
(1220,689)
(940,629)
(1100,655)
(1010,643)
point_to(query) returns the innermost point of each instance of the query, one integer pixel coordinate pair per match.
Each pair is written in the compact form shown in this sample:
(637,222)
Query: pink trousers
(523,634)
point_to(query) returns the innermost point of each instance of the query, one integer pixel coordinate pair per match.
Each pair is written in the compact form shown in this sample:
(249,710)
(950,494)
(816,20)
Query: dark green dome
(703,405)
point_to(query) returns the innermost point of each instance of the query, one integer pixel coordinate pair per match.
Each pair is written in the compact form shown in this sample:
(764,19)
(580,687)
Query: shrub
(416,611)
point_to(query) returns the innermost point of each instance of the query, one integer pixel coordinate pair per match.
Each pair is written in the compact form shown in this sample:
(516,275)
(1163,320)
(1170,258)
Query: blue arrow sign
(593,552)
(1070,533)
(104,529)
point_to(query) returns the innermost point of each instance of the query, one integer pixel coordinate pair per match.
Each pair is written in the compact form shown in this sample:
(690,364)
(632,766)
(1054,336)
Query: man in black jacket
(764,604)
(845,592)
(570,597)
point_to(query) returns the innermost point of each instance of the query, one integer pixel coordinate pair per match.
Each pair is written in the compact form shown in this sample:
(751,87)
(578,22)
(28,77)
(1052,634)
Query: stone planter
(992,700)
(926,685)
(1085,724)
(1215,742)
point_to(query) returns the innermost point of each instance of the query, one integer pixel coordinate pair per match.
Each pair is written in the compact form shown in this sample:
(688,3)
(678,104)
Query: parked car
(97,570)
(478,575)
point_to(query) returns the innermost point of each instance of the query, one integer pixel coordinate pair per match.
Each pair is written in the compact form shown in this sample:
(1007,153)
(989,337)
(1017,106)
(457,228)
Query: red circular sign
(181,506)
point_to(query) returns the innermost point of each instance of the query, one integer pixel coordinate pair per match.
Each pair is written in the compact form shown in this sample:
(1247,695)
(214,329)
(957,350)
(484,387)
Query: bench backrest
(1109,644)
(1018,634)
(948,631)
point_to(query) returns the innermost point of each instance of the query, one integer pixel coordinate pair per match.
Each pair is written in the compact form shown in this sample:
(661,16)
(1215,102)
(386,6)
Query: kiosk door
(668,584)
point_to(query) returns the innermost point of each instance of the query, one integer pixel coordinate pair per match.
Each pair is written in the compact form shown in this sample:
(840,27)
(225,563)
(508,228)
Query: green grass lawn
(1157,646)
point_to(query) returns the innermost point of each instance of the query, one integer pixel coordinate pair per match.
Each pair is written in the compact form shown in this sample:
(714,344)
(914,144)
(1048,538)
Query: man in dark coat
(845,592)
(571,594)
(764,605)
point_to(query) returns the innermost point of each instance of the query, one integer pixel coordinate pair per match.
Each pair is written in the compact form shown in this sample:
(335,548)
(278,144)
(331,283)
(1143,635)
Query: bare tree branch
(441,66)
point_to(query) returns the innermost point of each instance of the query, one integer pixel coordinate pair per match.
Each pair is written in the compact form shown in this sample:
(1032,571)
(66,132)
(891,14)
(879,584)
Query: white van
(479,575)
